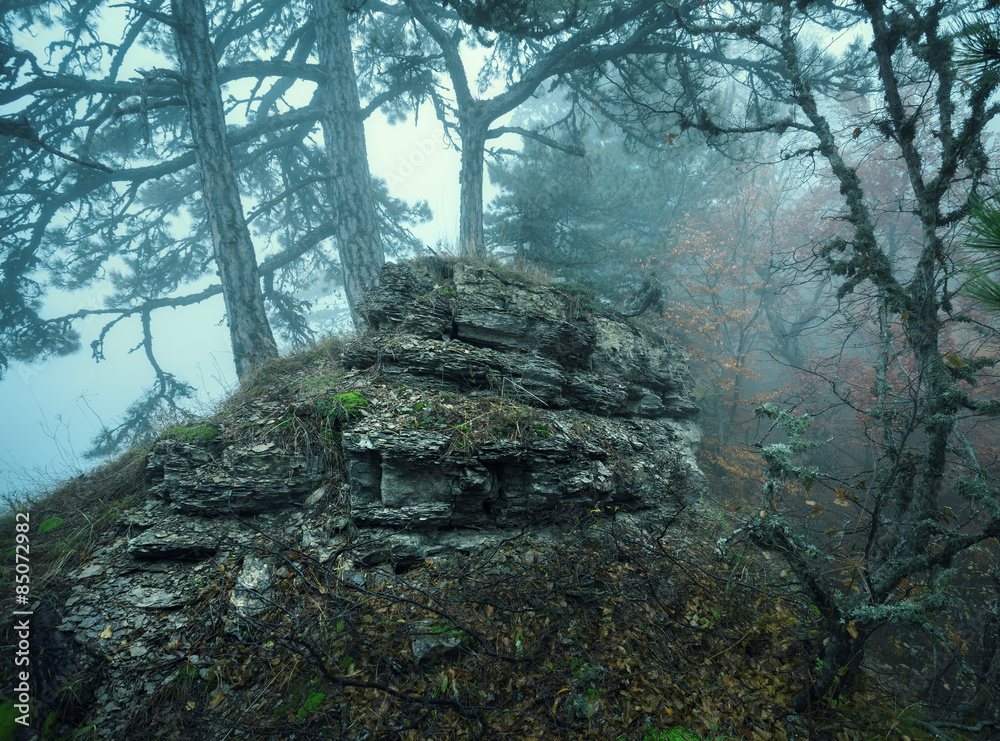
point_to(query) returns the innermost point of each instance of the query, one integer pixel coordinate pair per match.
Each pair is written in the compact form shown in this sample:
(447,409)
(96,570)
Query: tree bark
(249,330)
(841,662)
(350,182)
(470,222)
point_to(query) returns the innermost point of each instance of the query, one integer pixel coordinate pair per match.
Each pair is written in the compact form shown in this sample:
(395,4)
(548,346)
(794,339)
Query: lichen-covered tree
(904,517)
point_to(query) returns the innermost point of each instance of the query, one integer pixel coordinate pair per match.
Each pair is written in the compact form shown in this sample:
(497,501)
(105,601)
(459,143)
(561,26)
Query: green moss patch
(195,432)
(350,403)
(51,524)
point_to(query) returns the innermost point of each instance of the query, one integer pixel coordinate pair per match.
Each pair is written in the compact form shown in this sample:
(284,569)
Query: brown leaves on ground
(605,631)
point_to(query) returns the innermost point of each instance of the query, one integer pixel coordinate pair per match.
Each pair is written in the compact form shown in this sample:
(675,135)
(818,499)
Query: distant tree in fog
(550,40)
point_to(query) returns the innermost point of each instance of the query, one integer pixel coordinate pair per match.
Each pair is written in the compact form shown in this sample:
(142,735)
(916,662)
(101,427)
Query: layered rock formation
(484,400)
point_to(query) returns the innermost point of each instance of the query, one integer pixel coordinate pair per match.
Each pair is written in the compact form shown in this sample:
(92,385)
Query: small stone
(92,570)
(429,642)
(252,587)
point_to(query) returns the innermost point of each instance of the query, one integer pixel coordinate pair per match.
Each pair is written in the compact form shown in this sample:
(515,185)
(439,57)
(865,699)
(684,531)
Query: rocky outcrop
(201,476)
(457,325)
(603,410)
(480,400)
(419,479)
(477,403)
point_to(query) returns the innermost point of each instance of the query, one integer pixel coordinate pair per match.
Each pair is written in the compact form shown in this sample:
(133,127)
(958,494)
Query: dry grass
(441,267)
(66,522)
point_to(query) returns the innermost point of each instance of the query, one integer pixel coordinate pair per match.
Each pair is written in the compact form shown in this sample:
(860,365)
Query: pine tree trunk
(473,131)
(249,330)
(350,182)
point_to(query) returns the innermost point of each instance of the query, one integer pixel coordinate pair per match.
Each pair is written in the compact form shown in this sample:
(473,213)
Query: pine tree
(118,214)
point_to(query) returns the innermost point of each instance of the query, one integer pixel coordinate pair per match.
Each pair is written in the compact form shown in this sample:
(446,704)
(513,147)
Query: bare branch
(528,134)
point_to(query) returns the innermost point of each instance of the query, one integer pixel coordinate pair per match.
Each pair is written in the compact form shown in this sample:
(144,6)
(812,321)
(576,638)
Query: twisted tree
(927,500)
(135,223)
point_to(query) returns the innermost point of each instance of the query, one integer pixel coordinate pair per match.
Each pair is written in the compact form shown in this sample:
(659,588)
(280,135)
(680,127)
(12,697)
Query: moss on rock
(196,432)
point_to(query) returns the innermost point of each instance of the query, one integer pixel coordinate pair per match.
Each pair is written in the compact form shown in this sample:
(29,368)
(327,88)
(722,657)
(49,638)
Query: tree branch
(21,129)
(528,134)
(299,248)
(150,12)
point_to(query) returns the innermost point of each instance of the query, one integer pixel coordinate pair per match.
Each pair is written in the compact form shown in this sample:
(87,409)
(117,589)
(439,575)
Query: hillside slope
(478,519)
